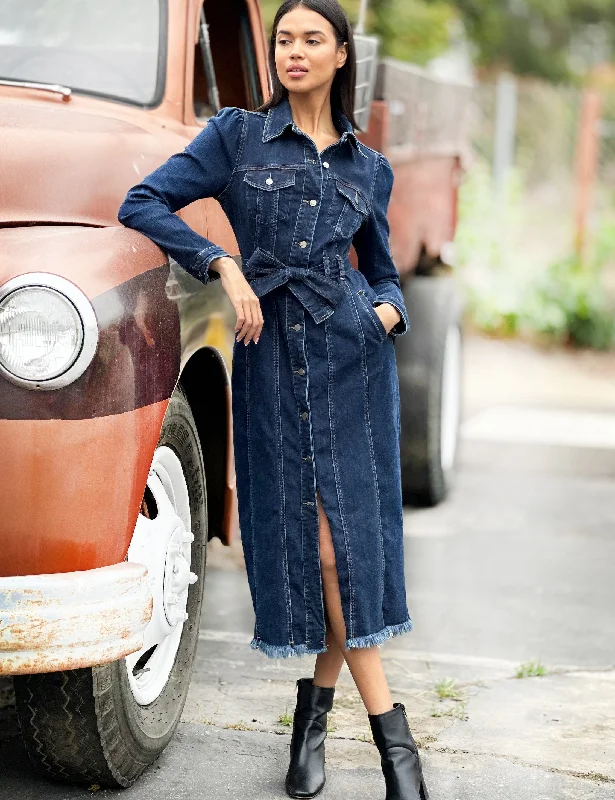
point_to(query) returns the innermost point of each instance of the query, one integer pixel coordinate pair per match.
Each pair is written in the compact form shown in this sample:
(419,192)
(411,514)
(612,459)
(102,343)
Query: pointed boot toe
(399,755)
(306,772)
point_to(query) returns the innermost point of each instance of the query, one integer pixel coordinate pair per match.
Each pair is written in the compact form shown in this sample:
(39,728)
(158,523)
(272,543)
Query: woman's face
(306,53)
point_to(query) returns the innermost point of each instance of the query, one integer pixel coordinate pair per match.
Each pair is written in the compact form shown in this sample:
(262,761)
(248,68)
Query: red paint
(70,490)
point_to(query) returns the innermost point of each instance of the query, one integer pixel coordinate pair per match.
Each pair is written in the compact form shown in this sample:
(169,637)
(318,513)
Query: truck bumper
(73,619)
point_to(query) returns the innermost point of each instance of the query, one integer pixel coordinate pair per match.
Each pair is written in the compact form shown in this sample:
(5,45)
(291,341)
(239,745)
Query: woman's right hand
(246,304)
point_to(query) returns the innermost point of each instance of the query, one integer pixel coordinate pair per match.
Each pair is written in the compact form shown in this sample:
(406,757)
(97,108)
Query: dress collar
(280,117)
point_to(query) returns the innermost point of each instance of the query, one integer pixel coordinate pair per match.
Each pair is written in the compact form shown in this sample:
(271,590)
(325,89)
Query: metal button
(325,164)
(308,503)
(307,458)
(304,415)
(313,202)
(300,371)
(296,327)
(303,244)
(269,181)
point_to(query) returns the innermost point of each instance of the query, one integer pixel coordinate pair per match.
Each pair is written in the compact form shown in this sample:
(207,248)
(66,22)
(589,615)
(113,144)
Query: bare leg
(329,664)
(364,663)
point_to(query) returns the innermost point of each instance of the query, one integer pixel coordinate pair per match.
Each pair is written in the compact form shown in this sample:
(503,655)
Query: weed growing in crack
(446,689)
(531,669)
(452,700)
(286,718)
(458,711)
(240,726)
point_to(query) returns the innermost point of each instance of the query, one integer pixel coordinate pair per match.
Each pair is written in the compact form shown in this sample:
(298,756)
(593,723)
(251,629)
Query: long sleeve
(203,169)
(371,243)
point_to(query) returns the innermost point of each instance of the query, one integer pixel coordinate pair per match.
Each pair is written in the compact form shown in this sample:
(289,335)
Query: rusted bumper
(73,619)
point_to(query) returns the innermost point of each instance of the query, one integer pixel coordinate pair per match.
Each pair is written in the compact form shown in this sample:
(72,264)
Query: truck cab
(115,424)
(116,464)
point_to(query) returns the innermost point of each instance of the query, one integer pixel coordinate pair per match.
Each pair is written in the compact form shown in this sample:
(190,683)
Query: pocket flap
(353,194)
(270,179)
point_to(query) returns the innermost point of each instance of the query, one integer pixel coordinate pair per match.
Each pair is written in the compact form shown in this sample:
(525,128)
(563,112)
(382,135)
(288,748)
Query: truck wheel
(429,361)
(105,724)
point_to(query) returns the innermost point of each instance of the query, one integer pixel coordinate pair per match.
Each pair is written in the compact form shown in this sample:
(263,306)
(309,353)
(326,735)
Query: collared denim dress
(315,403)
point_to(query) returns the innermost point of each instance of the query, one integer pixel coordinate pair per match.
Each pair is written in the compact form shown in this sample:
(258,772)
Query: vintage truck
(116,463)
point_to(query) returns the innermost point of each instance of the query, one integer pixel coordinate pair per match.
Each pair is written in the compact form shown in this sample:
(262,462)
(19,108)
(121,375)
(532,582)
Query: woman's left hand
(388,314)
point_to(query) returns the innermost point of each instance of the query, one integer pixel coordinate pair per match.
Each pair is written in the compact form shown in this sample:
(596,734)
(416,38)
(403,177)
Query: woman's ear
(342,54)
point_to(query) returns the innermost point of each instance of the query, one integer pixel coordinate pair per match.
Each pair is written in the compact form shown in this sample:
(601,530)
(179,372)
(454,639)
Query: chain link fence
(536,216)
(525,202)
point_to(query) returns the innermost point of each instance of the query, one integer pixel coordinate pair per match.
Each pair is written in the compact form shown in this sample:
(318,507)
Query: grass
(457,711)
(531,669)
(446,689)
(240,726)
(286,719)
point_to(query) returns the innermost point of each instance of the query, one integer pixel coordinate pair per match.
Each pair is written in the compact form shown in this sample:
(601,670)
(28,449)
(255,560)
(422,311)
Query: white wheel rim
(451,398)
(163,545)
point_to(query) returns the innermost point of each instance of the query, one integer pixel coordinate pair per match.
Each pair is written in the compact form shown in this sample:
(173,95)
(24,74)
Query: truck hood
(60,165)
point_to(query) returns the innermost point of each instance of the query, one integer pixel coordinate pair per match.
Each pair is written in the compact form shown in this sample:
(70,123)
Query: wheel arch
(206,384)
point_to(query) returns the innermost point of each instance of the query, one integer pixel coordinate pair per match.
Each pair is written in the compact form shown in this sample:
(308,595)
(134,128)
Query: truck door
(225,67)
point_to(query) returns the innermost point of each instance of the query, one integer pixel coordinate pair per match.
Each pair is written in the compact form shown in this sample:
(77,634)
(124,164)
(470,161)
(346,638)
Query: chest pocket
(348,209)
(269,193)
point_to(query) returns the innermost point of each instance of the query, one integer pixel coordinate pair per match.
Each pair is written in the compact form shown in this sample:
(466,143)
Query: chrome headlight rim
(85,311)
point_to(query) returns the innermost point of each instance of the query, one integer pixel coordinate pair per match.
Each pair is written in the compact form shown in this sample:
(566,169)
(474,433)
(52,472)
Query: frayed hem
(285,650)
(379,637)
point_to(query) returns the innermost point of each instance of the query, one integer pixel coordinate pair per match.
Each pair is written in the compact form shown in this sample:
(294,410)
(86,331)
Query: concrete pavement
(515,567)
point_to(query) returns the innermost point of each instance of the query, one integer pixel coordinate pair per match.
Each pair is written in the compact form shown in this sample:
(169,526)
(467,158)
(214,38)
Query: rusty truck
(116,463)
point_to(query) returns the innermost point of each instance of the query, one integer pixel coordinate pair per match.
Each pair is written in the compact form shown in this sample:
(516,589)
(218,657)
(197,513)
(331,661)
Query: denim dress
(315,404)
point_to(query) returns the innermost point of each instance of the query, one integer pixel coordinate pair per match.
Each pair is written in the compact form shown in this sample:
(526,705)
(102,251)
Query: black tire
(84,725)
(434,309)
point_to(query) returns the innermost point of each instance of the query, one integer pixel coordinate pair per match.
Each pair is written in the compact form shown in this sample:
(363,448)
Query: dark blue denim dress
(316,402)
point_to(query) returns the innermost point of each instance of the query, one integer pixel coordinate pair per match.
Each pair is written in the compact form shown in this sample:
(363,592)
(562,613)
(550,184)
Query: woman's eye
(316,41)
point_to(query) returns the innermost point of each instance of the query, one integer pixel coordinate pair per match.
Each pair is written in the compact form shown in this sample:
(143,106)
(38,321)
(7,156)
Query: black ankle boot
(399,757)
(306,773)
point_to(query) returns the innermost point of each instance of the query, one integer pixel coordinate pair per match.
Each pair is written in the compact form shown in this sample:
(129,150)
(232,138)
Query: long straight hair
(344,82)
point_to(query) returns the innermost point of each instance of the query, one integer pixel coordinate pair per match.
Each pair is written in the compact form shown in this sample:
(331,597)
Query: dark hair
(343,86)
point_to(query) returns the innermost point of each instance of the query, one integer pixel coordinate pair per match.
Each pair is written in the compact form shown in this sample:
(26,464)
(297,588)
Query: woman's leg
(364,663)
(329,664)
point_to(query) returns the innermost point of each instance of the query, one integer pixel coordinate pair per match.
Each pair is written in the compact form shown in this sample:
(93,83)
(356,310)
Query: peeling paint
(74,619)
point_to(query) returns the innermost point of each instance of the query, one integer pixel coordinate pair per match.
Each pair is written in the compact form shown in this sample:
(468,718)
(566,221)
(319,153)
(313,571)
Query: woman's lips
(296,72)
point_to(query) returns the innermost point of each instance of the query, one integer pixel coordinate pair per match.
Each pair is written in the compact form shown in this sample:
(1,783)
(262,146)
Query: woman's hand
(388,314)
(246,304)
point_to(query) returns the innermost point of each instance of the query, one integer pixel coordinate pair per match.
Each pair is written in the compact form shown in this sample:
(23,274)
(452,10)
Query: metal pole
(360,26)
(505,131)
(588,153)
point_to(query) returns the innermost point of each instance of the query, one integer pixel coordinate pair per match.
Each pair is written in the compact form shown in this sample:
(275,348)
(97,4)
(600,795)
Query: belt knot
(317,289)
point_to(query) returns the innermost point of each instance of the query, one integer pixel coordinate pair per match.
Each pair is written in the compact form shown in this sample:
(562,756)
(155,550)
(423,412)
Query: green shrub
(508,293)
(568,305)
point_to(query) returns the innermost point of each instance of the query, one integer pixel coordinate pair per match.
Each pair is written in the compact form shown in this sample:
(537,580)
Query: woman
(315,395)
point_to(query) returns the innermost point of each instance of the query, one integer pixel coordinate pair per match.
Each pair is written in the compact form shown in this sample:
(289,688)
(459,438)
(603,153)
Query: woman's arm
(371,243)
(203,169)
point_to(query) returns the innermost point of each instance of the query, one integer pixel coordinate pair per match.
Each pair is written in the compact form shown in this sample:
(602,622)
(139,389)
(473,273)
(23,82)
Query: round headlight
(40,333)
(48,331)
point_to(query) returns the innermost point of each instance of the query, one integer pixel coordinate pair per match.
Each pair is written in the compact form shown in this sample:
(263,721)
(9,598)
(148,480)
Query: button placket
(295,316)
(305,224)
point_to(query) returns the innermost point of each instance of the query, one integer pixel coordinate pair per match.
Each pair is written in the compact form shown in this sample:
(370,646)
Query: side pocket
(381,331)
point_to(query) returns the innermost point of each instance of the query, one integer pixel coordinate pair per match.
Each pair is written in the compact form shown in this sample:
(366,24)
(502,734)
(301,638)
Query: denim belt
(318,289)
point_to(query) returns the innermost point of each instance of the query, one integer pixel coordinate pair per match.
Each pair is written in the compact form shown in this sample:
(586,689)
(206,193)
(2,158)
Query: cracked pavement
(515,566)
